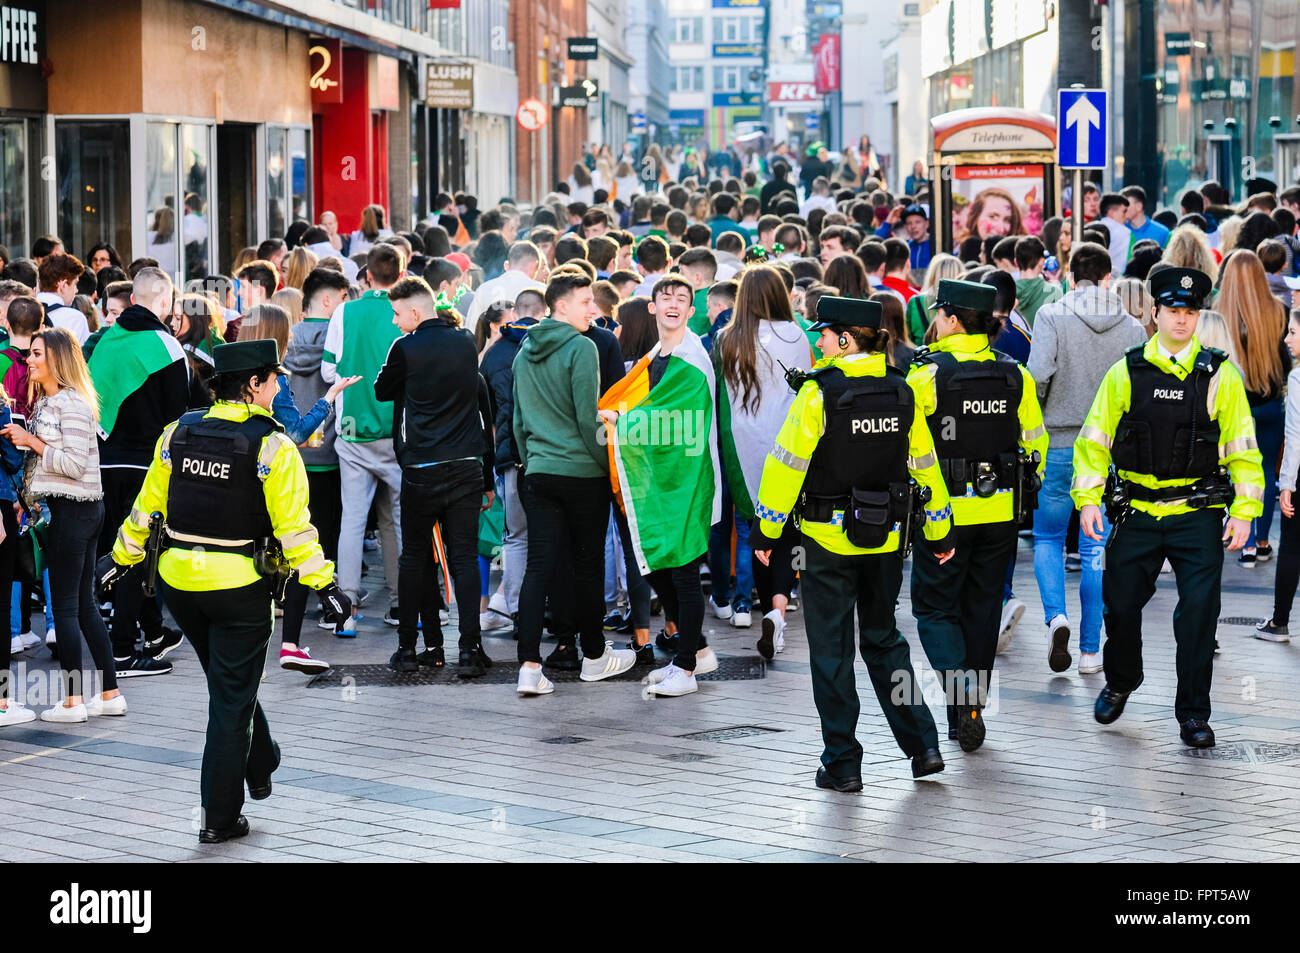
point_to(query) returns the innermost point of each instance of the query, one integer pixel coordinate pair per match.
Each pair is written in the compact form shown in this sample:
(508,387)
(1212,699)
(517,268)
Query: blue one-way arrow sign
(1082,136)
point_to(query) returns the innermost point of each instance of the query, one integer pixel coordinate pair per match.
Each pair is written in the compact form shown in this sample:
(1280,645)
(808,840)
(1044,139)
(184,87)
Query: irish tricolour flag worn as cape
(122,361)
(663,455)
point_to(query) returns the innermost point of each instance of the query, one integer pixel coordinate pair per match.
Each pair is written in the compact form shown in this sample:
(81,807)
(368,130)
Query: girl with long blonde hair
(1189,248)
(297,266)
(1256,323)
(941,266)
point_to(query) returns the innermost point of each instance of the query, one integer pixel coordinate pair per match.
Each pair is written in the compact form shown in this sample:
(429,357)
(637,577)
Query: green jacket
(357,342)
(1032,294)
(699,322)
(556,386)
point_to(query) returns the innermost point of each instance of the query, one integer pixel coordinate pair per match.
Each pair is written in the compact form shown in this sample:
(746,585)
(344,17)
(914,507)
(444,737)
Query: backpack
(13,377)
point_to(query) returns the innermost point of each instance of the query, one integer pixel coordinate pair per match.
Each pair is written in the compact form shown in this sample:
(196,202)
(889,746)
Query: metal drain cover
(730,734)
(688,756)
(564,740)
(1246,752)
(379,675)
(1240,620)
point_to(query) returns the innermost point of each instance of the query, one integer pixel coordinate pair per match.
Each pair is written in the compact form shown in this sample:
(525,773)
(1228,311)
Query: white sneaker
(16,714)
(96,705)
(65,715)
(16,646)
(444,616)
(1089,663)
(722,612)
(30,639)
(1058,644)
(1011,613)
(493,621)
(742,620)
(671,681)
(533,681)
(613,662)
(50,639)
(1167,567)
(705,661)
(772,641)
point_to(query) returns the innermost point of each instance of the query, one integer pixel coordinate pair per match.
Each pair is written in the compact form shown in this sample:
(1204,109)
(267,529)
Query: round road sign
(532,114)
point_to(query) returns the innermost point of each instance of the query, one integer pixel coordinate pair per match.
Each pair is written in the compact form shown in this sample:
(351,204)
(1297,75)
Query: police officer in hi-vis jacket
(1169,443)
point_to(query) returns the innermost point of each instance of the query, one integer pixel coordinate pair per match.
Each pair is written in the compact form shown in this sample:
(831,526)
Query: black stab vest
(215,492)
(867,436)
(1167,431)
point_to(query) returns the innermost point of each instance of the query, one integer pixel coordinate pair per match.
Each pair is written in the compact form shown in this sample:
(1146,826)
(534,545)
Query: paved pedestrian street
(469,771)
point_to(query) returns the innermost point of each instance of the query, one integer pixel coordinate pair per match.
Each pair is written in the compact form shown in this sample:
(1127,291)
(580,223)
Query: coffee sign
(18,35)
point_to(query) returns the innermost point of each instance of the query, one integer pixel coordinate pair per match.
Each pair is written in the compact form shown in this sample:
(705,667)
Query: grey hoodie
(1076,340)
(302,359)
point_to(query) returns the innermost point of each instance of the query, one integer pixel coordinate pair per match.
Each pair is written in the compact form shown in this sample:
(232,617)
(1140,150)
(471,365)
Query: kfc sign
(826,63)
(793,94)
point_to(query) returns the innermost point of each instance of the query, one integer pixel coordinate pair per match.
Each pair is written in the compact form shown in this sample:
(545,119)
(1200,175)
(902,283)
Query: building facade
(607,117)
(221,122)
(648,40)
(718,58)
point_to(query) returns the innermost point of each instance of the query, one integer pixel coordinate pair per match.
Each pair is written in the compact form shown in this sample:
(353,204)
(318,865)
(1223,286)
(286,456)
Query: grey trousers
(363,468)
(514,543)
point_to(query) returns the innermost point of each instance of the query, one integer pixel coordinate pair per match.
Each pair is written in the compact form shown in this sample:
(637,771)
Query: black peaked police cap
(965,294)
(1180,287)
(246,356)
(835,312)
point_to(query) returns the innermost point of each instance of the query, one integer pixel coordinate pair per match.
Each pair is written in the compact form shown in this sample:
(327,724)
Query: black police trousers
(229,629)
(834,587)
(958,609)
(1192,542)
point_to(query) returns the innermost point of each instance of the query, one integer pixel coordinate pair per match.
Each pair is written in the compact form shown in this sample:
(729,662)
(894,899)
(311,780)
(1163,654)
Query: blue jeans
(1270,427)
(1051,520)
(720,558)
(16,608)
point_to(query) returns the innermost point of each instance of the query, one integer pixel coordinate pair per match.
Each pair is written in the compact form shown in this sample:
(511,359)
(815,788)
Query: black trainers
(666,643)
(1263,552)
(139,664)
(432,658)
(404,660)
(613,621)
(563,659)
(470,665)
(645,654)
(483,657)
(165,643)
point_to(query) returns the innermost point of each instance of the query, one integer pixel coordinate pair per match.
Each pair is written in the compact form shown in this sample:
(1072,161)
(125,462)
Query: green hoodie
(1032,294)
(556,386)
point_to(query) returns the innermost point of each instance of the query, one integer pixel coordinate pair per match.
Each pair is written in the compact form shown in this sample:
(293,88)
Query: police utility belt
(1016,472)
(266,553)
(870,515)
(1213,490)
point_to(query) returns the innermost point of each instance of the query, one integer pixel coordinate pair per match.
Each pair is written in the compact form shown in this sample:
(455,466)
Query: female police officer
(844,455)
(230,485)
(983,412)
(1174,419)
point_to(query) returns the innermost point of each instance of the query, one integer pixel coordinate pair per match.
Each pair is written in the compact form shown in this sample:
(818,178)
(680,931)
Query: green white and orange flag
(663,456)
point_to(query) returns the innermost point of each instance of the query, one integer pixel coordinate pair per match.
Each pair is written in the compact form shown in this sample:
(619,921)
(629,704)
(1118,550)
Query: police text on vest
(206,468)
(1164,393)
(874,425)
(983,406)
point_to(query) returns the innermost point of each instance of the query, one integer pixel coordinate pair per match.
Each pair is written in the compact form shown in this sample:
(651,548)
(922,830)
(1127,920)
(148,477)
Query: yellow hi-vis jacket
(1228,406)
(787,465)
(970,509)
(284,485)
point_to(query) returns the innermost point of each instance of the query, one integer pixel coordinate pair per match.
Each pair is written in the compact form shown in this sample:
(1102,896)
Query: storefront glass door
(14,212)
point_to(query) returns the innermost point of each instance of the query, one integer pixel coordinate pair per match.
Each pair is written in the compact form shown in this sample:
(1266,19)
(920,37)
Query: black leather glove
(335,600)
(108,572)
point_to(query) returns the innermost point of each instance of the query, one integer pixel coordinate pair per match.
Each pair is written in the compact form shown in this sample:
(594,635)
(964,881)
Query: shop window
(288,178)
(195,165)
(162,237)
(277,144)
(300,175)
(93,169)
(13,187)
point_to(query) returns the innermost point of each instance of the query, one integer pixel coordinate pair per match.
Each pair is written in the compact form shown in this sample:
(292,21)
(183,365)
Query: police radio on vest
(983,406)
(874,425)
(206,468)
(1164,393)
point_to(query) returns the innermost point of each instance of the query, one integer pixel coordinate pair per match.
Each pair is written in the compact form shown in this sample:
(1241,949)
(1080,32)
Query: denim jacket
(298,427)
(11,461)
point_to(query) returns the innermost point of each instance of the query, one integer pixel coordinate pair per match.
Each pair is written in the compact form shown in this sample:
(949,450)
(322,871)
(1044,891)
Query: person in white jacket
(750,351)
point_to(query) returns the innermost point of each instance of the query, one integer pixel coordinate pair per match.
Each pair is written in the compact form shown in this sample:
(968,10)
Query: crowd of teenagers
(455,392)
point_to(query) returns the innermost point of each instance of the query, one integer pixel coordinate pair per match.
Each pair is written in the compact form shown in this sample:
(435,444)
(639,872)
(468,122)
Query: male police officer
(1174,420)
(852,441)
(233,491)
(988,430)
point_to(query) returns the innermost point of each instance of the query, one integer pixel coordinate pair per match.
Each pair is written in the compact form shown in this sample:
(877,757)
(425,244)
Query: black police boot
(1110,705)
(970,727)
(1197,733)
(844,785)
(212,835)
(259,789)
(404,660)
(928,761)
